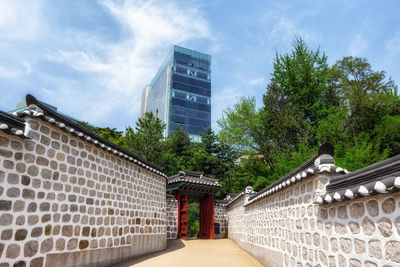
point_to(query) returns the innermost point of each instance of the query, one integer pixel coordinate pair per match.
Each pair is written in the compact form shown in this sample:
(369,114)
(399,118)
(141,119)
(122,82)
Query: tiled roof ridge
(39,110)
(221,202)
(321,163)
(240,194)
(198,178)
(370,171)
(194,173)
(379,178)
(11,124)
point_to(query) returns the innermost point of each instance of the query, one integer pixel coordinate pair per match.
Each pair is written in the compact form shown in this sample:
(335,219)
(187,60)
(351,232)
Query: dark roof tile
(11,124)
(380,178)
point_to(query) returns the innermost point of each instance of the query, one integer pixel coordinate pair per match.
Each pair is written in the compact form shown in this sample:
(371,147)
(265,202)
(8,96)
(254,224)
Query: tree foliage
(301,76)
(244,128)
(240,123)
(306,103)
(111,134)
(145,139)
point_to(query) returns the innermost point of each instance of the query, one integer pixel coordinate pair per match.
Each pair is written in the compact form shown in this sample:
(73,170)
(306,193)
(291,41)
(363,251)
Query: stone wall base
(105,257)
(219,236)
(267,257)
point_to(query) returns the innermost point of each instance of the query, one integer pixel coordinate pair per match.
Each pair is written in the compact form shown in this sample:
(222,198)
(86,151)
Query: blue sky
(92,59)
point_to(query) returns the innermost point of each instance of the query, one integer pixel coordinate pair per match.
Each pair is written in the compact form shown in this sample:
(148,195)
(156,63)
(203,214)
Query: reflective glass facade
(180,93)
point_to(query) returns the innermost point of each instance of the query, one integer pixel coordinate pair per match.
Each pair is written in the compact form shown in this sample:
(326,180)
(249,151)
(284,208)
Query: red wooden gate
(207,218)
(189,184)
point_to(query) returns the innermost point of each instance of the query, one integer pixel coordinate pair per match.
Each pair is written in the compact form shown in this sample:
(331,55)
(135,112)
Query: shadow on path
(172,245)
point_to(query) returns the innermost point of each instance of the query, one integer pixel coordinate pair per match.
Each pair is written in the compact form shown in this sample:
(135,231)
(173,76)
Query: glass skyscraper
(180,92)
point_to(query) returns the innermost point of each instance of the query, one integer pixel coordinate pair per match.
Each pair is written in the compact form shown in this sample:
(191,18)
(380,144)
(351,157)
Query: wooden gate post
(182,216)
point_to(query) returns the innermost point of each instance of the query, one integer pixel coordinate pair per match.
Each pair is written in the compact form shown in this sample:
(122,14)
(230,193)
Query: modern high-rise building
(180,92)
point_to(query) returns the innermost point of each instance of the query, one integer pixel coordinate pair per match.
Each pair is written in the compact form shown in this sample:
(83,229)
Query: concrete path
(193,253)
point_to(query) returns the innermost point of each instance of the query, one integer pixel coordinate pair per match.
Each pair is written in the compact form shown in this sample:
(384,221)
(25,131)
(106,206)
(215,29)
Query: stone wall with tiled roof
(320,214)
(38,109)
(379,178)
(71,198)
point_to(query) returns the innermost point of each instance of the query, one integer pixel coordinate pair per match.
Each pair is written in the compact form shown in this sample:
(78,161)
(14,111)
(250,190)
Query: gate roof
(193,181)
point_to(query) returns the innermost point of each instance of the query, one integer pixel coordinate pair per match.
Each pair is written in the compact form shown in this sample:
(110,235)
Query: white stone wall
(220,217)
(172,218)
(287,229)
(236,219)
(361,232)
(65,201)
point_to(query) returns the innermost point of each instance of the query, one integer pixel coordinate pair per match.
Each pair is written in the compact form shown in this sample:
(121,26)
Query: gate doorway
(193,218)
(193,185)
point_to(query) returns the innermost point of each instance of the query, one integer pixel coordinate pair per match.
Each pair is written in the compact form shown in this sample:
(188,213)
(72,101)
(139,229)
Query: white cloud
(151,28)
(19,19)
(358,45)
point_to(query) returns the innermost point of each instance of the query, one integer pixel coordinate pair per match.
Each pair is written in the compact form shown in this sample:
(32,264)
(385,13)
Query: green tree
(227,156)
(238,124)
(303,75)
(244,128)
(364,94)
(294,98)
(387,134)
(111,134)
(333,128)
(146,139)
(215,159)
(177,152)
(209,141)
(203,155)
(252,170)
(286,126)
(179,142)
(193,217)
(306,103)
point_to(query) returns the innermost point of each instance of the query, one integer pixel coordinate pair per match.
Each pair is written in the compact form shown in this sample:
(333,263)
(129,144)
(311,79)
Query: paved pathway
(193,253)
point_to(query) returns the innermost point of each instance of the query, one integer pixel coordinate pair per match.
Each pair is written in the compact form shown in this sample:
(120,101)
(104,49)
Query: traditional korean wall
(287,229)
(67,202)
(220,216)
(172,218)
(236,220)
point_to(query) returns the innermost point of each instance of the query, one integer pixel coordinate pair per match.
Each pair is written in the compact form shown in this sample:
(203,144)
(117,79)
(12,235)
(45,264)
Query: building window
(191,98)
